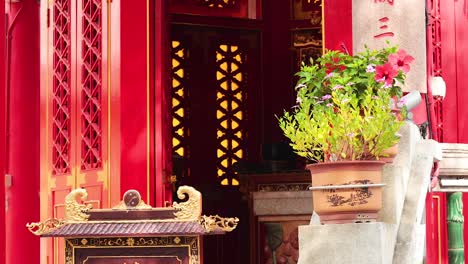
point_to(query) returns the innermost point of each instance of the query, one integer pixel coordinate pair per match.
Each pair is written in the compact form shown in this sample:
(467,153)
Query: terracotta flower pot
(347,188)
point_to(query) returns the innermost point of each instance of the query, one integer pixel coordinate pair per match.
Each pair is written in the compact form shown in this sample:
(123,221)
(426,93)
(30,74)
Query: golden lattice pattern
(179,133)
(218,3)
(230,111)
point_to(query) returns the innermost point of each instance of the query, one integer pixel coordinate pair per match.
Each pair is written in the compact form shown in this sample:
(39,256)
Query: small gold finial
(131,200)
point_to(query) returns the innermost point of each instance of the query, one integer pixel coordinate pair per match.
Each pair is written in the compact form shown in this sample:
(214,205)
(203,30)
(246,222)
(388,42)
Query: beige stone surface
(282,203)
(453,172)
(411,251)
(455,159)
(370,243)
(396,175)
(396,179)
(406,19)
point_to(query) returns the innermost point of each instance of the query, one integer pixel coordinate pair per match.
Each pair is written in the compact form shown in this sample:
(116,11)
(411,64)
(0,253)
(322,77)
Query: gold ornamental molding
(74,211)
(192,208)
(45,226)
(215,223)
(187,211)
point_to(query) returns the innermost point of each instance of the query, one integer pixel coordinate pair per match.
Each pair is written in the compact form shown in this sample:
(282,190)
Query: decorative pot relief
(358,196)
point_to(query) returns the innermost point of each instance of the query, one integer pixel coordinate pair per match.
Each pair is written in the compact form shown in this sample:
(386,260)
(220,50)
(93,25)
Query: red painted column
(162,118)
(2,133)
(22,131)
(135,116)
(338,24)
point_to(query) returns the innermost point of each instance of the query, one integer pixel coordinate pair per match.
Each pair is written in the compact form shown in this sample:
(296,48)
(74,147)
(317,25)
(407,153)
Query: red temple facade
(151,94)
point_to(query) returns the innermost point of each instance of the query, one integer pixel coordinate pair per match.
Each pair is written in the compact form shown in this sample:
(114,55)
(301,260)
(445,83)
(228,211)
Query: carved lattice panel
(218,8)
(179,103)
(91,86)
(436,41)
(230,79)
(61,87)
(218,3)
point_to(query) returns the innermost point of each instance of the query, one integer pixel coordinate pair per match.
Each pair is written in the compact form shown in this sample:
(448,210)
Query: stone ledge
(370,243)
(282,203)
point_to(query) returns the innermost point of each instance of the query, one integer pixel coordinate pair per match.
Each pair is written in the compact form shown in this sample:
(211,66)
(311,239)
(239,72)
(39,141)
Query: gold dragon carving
(74,212)
(190,209)
(45,226)
(216,222)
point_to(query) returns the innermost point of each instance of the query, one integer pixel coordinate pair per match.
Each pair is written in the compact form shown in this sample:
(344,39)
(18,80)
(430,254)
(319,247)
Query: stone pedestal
(370,243)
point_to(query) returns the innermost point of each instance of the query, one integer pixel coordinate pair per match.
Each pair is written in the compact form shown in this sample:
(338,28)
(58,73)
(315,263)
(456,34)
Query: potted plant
(345,121)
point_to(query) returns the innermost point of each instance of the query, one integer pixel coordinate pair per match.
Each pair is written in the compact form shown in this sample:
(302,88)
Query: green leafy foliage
(345,108)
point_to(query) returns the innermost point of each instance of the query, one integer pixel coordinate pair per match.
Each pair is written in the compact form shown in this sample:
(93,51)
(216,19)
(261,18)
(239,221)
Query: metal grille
(91,92)
(61,87)
(230,77)
(218,3)
(436,40)
(179,103)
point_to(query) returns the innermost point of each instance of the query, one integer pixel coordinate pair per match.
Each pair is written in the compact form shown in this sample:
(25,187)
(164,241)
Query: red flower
(385,73)
(401,60)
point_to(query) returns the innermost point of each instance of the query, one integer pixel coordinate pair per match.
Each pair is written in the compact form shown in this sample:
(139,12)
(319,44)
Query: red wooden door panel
(454,46)
(214,106)
(461,61)
(74,108)
(215,111)
(436,228)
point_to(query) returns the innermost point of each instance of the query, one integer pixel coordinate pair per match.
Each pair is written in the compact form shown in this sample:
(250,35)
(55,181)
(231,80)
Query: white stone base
(411,251)
(370,243)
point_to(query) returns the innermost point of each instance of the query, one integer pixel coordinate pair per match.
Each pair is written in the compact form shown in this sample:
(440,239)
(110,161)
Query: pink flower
(329,75)
(385,73)
(337,87)
(326,97)
(401,60)
(370,68)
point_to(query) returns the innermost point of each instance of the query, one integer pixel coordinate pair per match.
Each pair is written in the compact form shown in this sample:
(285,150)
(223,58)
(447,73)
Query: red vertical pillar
(162,118)
(2,132)
(22,130)
(338,24)
(135,101)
